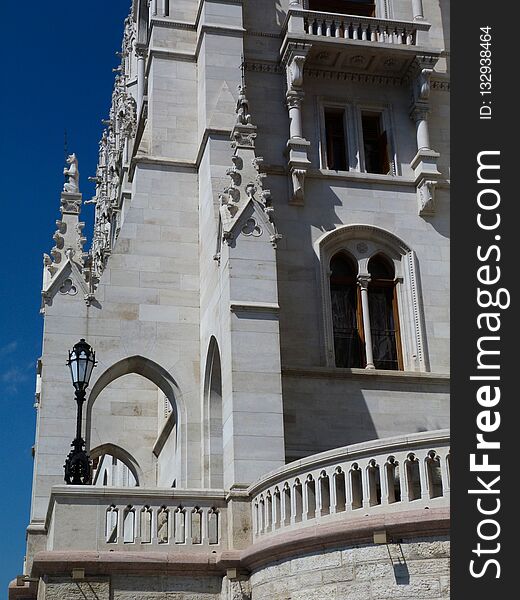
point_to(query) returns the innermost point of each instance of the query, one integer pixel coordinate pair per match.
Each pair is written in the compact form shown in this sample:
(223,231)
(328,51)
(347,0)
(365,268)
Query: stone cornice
(170,55)
(385,80)
(256,307)
(264,67)
(172,24)
(163,161)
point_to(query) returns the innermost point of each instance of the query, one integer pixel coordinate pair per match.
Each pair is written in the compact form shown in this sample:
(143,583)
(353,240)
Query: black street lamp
(82,359)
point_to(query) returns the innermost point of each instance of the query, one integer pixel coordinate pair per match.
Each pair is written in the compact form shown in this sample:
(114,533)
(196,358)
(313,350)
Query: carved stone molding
(426,196)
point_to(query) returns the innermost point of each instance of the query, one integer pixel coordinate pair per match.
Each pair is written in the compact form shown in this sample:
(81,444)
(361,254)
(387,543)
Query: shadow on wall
(327,413)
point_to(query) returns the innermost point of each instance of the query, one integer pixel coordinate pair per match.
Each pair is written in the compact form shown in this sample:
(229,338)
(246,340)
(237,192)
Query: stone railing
(368,29)
(394,474)
(135,519)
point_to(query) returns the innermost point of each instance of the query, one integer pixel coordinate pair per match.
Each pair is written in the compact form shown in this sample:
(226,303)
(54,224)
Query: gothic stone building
(267,294)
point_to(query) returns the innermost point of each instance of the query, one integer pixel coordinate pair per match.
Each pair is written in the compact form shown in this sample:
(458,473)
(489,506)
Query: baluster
(287,505)
(355,31)
(324,495)
(383,482)
(364,31)
(425,483)
(328,28)
(337,27)
(373,34)
(399,35)
(409,38)
(346,27)
(320,27)
(310,26)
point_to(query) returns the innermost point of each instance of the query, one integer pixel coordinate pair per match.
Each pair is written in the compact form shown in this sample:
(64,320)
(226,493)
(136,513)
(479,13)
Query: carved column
(141,75)
(297,146)
(419,114)
(424,163)
(294,104)
(417,8)
(363,281)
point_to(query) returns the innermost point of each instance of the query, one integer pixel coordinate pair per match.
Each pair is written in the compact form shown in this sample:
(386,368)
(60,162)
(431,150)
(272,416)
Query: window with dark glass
(384,324)
(335,139)
(346,318)
(375,144)
(364,8)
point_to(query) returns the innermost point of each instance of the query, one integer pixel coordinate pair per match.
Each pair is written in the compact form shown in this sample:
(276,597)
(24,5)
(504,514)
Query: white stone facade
(206,295)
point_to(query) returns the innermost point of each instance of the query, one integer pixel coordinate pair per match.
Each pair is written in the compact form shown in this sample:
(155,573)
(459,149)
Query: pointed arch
(213,423)
(122,455)
(161,378)
(364,242)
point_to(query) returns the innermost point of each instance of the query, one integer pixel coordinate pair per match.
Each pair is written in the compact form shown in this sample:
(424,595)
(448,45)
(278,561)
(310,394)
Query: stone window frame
(362,242)
(352,120)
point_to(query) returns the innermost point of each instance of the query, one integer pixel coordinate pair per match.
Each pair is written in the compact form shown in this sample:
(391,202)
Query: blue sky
(56,75)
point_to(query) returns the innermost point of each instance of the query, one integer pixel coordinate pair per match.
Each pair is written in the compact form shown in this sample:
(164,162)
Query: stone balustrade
(367,29)
(394,474)
(138,519)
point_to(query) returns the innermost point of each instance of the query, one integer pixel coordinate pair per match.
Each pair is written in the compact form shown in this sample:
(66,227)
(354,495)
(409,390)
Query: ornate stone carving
(295,70)
(246,187)
(294,99)
(72,172)
(426,196)
(298,180)
(252,228)
(242,110)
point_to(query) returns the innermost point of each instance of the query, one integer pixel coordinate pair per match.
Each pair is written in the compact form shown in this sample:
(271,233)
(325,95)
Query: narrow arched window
(346,318)
(384,319)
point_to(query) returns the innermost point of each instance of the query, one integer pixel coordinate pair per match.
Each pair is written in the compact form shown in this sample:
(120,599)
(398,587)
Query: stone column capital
(420,112)
(141,52)
(294,98)
(363,281)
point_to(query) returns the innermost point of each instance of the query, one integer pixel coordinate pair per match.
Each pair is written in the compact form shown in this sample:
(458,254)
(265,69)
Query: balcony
(85,518)
(401,483)
(357,44)
(380,478)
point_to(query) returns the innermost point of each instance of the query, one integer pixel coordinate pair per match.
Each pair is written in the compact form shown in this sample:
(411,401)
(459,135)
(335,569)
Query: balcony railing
(137,519)
(351,27)
(396,474)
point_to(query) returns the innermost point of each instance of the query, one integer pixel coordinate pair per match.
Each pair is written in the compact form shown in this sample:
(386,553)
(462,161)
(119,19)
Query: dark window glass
(335,136)
(346,7)
(383,314)
(345,319)
(375,144)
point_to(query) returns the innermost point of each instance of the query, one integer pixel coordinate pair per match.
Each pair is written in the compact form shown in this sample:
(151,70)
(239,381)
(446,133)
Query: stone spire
(67,254)
(245,178)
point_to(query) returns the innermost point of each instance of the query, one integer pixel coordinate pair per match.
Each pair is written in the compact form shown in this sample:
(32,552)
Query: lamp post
(82,359)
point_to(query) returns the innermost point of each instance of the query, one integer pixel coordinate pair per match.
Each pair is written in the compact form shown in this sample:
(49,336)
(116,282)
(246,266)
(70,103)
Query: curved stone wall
(414,569)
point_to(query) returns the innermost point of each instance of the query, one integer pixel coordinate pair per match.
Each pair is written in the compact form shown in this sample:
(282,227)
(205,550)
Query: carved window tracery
(371,298)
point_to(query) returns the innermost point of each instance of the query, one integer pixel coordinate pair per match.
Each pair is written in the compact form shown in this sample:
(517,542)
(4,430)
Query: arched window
(346,319)
(384,318)
(372,301)
(352,321)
